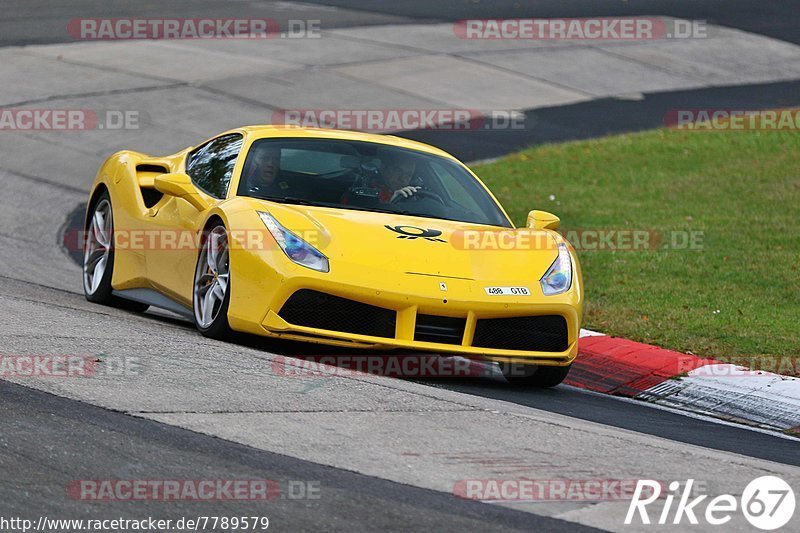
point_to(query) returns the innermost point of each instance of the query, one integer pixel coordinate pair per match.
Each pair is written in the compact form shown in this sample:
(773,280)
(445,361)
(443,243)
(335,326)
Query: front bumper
(461,302)
(275,326)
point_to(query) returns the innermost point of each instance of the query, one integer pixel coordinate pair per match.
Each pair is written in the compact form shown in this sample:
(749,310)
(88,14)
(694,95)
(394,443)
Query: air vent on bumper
(441,329)
(529,333)
(315,309)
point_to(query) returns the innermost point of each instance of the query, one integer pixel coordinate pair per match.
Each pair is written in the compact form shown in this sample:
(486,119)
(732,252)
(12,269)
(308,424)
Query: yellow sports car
(334,237)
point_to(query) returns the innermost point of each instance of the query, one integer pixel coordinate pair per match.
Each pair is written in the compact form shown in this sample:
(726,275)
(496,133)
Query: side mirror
(181,186)
(543,220)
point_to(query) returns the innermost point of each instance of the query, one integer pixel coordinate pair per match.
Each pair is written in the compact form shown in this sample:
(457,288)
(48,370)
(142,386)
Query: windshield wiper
(377,210)
(292,200)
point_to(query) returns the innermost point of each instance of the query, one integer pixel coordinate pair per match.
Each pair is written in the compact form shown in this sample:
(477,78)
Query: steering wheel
(420,193)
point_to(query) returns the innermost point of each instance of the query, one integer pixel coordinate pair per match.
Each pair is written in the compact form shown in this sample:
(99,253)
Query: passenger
(262,177)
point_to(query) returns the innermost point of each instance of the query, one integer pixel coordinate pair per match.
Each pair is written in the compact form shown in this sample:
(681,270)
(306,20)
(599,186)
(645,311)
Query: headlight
(293,246)
(558,278)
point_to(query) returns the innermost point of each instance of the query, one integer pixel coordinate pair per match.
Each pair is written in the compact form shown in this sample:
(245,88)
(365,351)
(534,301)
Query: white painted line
(590,333)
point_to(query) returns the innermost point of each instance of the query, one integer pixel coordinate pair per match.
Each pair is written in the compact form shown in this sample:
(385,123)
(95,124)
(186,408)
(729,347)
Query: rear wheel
(534,376)
(211,284)
(98,257)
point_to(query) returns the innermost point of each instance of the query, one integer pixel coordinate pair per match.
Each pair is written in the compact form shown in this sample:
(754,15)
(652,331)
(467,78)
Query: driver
(262,175)
(396,174)
(393,182)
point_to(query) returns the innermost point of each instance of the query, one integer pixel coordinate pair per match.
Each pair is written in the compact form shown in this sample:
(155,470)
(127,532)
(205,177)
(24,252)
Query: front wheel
(211,285)
(534,376)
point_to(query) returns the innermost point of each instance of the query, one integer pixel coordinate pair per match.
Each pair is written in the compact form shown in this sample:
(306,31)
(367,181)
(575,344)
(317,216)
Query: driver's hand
(405,192)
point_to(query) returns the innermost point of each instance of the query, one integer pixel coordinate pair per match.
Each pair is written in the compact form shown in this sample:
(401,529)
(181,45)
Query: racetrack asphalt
(40,22)
(777,18)
(77,441)
(386,452)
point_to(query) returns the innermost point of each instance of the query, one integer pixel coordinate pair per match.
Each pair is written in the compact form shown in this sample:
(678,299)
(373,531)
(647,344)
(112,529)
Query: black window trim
(191,154)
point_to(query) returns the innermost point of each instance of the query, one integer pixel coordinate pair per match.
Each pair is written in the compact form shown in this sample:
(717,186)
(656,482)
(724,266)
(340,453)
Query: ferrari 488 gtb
(334,237)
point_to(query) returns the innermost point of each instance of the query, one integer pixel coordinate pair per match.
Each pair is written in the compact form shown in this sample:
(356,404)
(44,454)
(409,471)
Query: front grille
(443,329)
(315,309)
(530,333)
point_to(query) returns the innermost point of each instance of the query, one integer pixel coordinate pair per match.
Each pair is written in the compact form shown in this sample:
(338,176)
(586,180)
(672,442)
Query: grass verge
(735,292)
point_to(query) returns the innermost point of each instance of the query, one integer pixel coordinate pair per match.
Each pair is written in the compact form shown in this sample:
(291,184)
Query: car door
(171,264)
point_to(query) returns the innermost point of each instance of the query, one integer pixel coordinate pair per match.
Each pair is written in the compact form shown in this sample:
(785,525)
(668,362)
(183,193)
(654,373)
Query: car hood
(424,246)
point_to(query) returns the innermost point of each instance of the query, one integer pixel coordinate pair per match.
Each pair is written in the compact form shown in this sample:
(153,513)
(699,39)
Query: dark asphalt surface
(76,441)
(776,18)
(605,116)
(44,21)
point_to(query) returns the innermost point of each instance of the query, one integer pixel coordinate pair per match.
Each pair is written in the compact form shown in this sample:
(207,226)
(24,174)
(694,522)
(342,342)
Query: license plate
(507,291)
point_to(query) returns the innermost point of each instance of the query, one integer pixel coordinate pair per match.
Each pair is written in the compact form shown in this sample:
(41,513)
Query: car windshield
(366,176)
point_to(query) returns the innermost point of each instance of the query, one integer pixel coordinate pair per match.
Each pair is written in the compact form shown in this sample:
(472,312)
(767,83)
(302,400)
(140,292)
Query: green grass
(741,189)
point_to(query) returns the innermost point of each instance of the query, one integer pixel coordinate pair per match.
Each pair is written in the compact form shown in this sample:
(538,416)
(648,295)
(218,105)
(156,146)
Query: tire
(211,289)
(534,376)
(98,257)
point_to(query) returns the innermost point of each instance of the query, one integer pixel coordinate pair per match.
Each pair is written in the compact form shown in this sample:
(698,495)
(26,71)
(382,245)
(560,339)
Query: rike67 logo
(767,503)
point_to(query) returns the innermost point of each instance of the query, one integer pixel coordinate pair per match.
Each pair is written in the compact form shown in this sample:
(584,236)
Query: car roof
(267,131)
